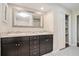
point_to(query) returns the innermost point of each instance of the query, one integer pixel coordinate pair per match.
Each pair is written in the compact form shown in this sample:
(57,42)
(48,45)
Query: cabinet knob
(16,44)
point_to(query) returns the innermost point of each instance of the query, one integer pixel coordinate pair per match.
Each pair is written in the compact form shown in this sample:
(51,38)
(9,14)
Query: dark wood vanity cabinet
(34,45)
(8,47)
(27,45)
(15,46)
(46,44)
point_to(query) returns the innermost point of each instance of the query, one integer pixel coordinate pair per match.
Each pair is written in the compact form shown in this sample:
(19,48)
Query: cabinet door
(42,46)
(8,47)
(46,44)
(49,44)
(34,45)
(23,46)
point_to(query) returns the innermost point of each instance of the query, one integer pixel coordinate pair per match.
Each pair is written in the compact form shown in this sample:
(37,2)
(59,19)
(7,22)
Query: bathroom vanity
(24,44)
(28,45)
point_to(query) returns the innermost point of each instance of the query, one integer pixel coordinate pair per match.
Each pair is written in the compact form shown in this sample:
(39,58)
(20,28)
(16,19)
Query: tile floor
(70,51)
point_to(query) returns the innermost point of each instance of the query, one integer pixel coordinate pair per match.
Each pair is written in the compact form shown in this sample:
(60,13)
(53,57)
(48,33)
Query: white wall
(74,27)
(54,22)
(59,29)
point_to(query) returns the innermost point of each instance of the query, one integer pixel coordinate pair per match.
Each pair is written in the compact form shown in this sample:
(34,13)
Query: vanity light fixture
(42,8)
(23,14)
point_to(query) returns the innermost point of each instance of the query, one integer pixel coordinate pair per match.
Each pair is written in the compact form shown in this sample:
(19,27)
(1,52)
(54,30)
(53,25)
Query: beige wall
(3,25)
(8,26)
(49,22)
(18,28)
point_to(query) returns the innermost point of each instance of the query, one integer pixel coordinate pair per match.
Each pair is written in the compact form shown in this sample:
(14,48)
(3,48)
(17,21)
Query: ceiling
(36,6)
(70,6)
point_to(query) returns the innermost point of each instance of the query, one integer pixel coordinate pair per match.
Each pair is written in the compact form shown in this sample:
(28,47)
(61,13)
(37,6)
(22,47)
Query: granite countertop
(23,34)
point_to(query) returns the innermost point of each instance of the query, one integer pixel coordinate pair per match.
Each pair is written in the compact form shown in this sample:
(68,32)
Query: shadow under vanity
(35,45)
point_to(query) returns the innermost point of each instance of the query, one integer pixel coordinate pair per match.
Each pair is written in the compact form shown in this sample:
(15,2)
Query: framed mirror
(27,18)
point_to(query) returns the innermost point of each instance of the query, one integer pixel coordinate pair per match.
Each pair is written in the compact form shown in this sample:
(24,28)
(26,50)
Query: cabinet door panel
(23,47)
(34,46)
(8,47)
(42,46)
(46,44)
(49,45)
(9,50)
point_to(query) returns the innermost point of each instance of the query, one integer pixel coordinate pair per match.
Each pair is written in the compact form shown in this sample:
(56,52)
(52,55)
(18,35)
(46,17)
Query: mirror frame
(13,20)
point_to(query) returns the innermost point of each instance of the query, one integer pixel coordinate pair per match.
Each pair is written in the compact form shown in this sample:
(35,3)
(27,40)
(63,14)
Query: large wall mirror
(27,18)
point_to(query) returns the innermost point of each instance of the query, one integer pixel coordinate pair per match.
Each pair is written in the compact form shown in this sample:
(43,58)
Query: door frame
(69,28)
